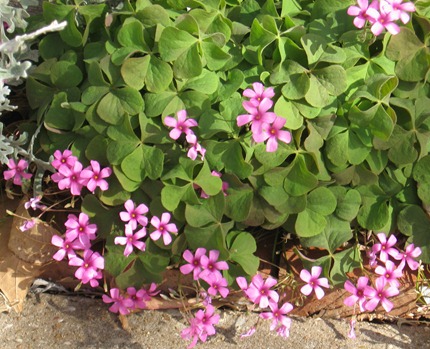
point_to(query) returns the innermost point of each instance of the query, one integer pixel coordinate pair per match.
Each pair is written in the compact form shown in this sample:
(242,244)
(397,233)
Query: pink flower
(206,320)
(357,292)
(259,291)
(94,176)
(385,247)
(351,332)
(34,203)
(390,273)
(138,297)
(70,178)
(379,294)
(152,291)
(313,283)
(28,224)
(17,171)
(277,315)
(65,158)
(131,240)
(201,326)
(163,228)
(81,229)
(409,256)
(250,332)
(67,247)
(258,93)
(257,115)
(383,20)
(360,12)
(242,283)
(194,262)
(180,125)
(195,148)
(217,284)
(273,132)
(89,266)
(120,304)
(211,265)
(134,215)
(398,9)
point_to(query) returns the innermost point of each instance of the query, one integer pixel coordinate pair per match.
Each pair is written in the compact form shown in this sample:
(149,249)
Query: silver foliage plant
(15,62)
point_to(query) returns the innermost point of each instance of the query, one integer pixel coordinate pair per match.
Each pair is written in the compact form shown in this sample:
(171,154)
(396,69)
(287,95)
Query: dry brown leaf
(32,245)
(21,257)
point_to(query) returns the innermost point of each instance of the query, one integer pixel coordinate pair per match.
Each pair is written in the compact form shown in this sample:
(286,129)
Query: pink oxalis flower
(258,115)
(17,171)
(63,158)
(120,304)
(134,215)
(81,229)
(139,297)
(258,93)
(67,247)
(70,178)
(385,247)
(259,291)
(131,240)
(279,318)
(194,262)
(357,292)
(89,267)
(390,273)
(35,204)
(411,252)
(180,125)
(211,265)
(272,133)
(313,282)
(163,228)
(380,294)
(95,177)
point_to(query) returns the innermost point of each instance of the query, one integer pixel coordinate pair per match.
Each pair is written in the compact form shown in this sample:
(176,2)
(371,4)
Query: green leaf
(175,43)
(299,179)
(210,237)
(348,202)
(119,102)
(345,262)
(421,174)
(374,213)
(210,211)
(321,200)
(309,223)
(413,222)
(334,235)
(314,46)
(124,141)
(189,64)
(207,82)
(214,55)
(130,35)
(242,251)
(65,75)
(238,203)
(61,118)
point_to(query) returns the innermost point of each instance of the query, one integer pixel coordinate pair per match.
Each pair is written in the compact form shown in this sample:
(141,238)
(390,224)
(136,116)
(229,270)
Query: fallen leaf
(32,245)
(22,256)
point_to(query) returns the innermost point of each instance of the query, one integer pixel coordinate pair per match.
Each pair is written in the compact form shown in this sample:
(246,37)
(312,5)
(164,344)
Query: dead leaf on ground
(22,256)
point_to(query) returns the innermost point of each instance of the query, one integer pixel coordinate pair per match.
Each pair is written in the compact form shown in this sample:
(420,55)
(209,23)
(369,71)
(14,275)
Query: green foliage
(357,107)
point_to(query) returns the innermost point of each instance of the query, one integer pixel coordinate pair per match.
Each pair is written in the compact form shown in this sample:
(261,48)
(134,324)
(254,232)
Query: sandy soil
(56,321)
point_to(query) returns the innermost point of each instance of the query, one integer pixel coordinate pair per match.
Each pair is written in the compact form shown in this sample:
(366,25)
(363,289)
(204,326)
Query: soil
(57,321)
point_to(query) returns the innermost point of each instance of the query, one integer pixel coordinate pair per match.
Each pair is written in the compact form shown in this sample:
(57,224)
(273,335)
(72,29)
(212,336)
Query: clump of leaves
(355,104)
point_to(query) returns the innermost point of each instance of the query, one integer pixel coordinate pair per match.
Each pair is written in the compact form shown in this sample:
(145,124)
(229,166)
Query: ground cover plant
(172,130)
